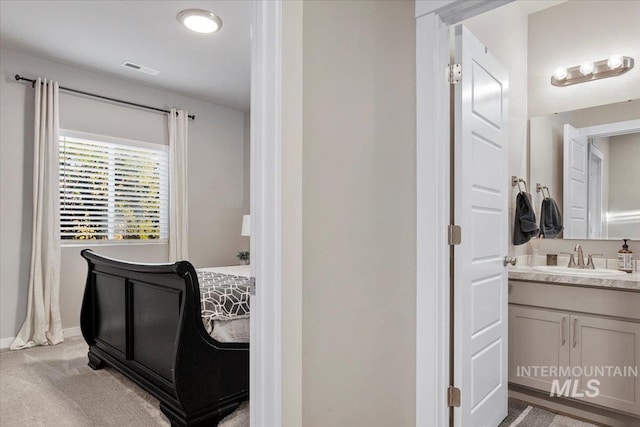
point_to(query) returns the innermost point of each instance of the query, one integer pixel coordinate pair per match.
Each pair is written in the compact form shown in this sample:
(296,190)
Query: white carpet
(53,386)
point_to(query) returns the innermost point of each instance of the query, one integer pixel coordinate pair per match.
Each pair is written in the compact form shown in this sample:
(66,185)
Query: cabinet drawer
(584,299)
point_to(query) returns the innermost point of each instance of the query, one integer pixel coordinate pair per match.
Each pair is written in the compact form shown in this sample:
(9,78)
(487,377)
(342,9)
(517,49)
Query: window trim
(124,242)
(62,133)
(112,139)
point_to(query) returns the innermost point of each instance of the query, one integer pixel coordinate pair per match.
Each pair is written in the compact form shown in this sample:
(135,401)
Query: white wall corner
(432,202)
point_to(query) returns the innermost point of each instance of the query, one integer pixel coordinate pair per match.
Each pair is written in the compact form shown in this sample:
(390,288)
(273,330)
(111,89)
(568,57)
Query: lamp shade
(246,225)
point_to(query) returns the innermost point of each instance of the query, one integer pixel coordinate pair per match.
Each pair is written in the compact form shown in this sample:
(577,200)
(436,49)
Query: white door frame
(594,207)
(433,174)
(611,129)
(265,188)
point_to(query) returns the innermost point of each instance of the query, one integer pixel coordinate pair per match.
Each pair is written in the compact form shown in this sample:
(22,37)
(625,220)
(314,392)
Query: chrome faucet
(580,256)
(580,263)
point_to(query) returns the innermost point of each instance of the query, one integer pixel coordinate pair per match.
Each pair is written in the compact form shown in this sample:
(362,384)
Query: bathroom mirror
(589,160)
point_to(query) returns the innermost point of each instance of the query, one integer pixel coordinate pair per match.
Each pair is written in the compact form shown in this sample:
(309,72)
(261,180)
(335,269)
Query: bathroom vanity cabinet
(563,333)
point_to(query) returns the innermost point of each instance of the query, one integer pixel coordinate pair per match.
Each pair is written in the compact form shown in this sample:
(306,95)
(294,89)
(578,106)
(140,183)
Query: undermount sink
(598,272)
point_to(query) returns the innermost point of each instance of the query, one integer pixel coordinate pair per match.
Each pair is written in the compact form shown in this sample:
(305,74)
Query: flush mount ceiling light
(200,21)
(615,65)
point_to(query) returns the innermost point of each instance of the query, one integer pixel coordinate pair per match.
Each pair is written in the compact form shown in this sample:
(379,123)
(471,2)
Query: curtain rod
(18,77)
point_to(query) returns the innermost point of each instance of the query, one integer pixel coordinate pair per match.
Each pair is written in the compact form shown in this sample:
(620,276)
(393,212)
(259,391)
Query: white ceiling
(100,35)
(530,7)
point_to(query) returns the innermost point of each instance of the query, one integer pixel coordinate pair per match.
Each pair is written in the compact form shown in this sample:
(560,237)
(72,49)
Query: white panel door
(481,206)
(575,184)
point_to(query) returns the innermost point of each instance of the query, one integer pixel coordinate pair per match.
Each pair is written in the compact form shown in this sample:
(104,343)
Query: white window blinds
(112,190)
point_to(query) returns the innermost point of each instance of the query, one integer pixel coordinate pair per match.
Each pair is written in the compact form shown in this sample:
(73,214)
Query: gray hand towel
(550,219)
(525,226)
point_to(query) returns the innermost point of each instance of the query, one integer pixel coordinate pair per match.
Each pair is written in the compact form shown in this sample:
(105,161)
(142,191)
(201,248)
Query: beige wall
(216,175)
(247,163)
(246,201)
(358,224)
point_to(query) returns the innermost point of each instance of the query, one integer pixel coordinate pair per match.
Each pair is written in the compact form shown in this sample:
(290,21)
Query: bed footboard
(145,321)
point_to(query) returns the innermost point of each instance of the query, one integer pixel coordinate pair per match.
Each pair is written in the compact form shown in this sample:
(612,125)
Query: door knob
(509,260)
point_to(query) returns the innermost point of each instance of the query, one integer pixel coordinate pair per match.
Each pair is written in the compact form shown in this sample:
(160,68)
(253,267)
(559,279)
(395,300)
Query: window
(112,189)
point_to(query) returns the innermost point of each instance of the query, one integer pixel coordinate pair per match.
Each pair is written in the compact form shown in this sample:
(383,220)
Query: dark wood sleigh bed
(145,321)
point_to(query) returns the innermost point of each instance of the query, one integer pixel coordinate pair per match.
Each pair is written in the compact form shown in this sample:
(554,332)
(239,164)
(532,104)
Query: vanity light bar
(588,71)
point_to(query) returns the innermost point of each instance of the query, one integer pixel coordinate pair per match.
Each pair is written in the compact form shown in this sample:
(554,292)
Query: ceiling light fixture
(615,65)
(200,21)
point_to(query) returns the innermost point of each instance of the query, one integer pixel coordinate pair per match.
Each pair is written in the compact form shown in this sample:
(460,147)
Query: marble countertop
(629,281)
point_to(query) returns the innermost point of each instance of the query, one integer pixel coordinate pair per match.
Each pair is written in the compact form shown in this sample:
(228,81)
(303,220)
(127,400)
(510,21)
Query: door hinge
(454,73)
(252,285)
(453,397)
(455,234)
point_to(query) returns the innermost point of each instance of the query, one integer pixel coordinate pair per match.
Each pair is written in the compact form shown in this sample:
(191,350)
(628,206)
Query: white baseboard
(72,332)
(68,333)
(6,342)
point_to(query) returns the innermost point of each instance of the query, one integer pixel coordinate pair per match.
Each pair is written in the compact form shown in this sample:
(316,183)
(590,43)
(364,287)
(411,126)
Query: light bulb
(200,21)
(560,73)
(614,61)
(200,24)
(586,68)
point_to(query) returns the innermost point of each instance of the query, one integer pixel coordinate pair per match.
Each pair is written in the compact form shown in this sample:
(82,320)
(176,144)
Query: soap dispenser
(625,258)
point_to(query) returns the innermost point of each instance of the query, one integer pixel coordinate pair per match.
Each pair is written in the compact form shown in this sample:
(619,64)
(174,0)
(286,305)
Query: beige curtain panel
(42,325)
(178,201)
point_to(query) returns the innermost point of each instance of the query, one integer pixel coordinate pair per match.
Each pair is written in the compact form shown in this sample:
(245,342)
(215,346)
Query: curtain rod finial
(17,77)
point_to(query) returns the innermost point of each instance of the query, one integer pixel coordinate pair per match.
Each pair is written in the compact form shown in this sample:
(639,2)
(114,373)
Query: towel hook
(516,181)
(541,188)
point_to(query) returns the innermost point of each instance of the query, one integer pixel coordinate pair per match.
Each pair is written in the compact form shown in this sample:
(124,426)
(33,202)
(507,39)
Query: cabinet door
(538,346)
(613,346)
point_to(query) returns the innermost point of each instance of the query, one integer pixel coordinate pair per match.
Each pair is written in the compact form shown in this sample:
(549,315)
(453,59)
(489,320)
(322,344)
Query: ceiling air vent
(140,68)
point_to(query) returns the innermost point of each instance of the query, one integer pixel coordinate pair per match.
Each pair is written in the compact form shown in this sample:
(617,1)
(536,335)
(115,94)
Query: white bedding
(236,330)
(236,270)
